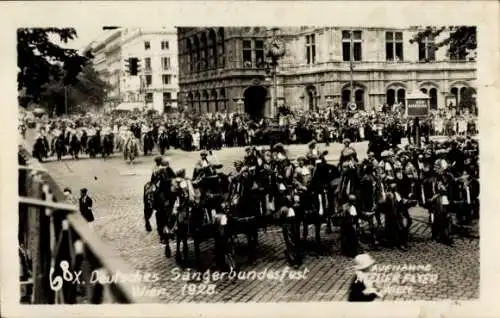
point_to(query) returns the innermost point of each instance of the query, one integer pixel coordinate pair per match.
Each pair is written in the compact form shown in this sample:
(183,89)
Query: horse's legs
(305,229)
(178,239)
(317,226)
(148,211)
(185,246)
(252,243)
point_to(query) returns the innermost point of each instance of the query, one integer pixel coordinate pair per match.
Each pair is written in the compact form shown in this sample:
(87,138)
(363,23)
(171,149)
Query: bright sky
(85,36)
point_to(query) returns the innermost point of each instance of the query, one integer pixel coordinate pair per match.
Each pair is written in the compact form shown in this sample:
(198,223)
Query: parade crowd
(75,135)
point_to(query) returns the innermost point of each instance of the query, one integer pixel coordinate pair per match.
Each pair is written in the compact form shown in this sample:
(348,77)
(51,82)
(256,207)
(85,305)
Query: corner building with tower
(228,69)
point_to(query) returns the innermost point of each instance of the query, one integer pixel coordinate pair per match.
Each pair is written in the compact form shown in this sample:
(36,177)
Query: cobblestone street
(116,189)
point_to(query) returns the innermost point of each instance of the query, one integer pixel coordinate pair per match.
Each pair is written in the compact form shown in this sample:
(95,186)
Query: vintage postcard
(251,159)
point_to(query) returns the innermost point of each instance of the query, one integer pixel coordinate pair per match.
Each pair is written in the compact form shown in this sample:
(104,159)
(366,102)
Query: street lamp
(275,51)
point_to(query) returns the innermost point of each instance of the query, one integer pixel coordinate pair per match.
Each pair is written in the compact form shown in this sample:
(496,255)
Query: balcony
(405,66)
(54,233)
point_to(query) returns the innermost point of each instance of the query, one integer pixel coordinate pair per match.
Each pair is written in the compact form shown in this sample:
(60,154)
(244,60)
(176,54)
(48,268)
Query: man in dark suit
(86,205)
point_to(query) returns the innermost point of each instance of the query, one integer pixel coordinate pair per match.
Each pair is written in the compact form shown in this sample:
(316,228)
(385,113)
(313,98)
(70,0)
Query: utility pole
(65,99)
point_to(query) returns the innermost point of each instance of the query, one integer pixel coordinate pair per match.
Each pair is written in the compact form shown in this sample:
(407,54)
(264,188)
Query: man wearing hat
(85,203)
(362,287)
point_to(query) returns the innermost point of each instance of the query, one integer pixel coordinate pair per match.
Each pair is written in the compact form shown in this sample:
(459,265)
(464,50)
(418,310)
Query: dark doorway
(255,101)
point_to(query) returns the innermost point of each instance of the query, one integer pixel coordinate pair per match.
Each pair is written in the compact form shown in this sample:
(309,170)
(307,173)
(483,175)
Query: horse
(199,216)
(148,143)
(107,145)
(318,207)
(75,146)
(245,214)
(131,150)
(59,147)
(188,218)
(163,142)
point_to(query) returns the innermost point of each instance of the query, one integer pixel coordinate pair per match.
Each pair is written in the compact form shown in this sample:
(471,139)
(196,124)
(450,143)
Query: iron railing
(62,259)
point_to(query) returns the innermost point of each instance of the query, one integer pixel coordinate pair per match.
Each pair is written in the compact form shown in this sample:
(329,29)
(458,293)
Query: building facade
(156,85)
(224,69)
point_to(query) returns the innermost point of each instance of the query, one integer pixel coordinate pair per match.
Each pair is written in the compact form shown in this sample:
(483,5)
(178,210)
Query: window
(165,63)
(167,97)
(359,98)
(391,97)
(346,97)
(220,48)
(149,80)
(401,96)
(149,97)
(394,46)
(433,96)
(164,45)
(259,53)
(351,43)
(247,53)
(427,50)
(147,45)
(167,79)
(311,49)
(147,63)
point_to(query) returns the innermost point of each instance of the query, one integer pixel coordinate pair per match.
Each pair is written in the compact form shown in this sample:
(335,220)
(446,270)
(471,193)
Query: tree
(86,90)
(40,60)
(461,41)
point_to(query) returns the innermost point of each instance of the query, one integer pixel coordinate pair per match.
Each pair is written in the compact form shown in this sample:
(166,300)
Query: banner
(417,107)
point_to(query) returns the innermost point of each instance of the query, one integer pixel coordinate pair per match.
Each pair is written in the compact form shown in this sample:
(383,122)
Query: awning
(129,106)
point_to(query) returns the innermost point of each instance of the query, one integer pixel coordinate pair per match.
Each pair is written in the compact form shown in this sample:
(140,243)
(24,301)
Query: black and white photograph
(248,163)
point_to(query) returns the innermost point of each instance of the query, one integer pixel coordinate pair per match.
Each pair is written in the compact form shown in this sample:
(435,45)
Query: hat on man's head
(203,153)
(158,159)
(83,190)
(164,161)
(363,261)
(346,141)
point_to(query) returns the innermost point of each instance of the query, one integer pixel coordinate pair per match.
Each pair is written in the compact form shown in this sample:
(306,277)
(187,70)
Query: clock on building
(276,48)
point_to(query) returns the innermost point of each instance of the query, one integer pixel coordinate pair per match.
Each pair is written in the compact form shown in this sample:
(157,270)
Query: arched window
(391,97)
(189,101)
(203,51)
(189,56)
(213,98)
(204,101)
(346,97)
(433,98)
(197,101)
(462,95)
(196,49)
(359,98)
(222,97)
(454,92)
(401,96)
(212,51)
(220,47)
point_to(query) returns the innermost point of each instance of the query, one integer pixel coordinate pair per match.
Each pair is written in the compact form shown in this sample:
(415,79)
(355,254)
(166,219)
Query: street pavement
(116,189)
